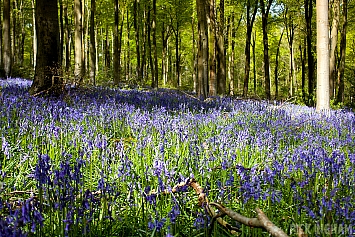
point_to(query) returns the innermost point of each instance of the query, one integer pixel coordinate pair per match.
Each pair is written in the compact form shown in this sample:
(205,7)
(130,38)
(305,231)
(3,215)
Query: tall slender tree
(47,74)
(116,49)
(92,43)
(308,6)
(250,18)
(7,39)
(202,11)
(139,73)
(212,79)
(221,52)
(34,35)
(341,73)
(1,48)
(264,16)
(155,78)
(78,41)
(335,6)
(322,55)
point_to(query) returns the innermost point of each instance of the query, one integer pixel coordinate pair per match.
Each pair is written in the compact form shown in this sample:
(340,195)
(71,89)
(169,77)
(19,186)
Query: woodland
(177,118)
(260,49)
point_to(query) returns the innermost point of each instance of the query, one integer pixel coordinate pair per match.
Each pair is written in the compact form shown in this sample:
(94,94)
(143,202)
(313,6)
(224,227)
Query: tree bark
(310,58)
(47,73)
(264,17)
(61,38)
(116,50)
(23,36)
(202,80)
(7,39)
(212,22)
(250,23)
(340,94)
(92,43)
(322,55)
(154,29)
(1,48)
(253,45)
(221,53)
(136,28)
(303,72)
(290,31)
(333,45)
(67,39)
(78,41)
(277,67)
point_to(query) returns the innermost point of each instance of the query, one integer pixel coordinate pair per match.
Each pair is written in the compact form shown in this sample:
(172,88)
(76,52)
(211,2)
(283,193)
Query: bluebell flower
(174,213)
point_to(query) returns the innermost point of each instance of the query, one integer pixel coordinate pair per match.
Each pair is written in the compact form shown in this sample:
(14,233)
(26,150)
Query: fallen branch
(262,221)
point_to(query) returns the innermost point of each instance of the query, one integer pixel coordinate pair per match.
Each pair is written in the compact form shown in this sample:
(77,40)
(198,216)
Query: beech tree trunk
(136,28)
(7,39)
(322,55)
(212,22)
(250,22)
(116,49)
(221,52)
(340,94)
(67,39)
(92,43)
(202,80)
(264,17)
(310,58)
(78,41)
(154,29)
(1,48)
(47,73)
(277,67)
(333,45)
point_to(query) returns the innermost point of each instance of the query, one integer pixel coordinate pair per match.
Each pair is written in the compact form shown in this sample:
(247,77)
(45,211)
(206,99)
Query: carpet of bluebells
(101,162)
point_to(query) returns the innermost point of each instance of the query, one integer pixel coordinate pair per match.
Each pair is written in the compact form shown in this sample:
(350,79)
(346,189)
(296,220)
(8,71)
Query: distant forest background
(262,49)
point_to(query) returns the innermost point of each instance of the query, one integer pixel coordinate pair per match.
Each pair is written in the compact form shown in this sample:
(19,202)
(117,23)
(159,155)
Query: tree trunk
(164,63)
(194,74)
(116,53)
(202,80)
(14,47)
(7,39)
(128,60)
(67,39)
(1,48)
(231,66)
(78,41)
(264,17)
(136,28)
(92,43)
(212,80)
(333,45)
(47,73)
(340,94)
(177,53)
(156,69)
(322,55)
(277,67)
(221,53)
(253,45)
(21,40)
(250,23)
(61,25)
(303,72)
(310,58)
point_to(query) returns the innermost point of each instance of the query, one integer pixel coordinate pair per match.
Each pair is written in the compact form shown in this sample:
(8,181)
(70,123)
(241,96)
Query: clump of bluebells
(105,161)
